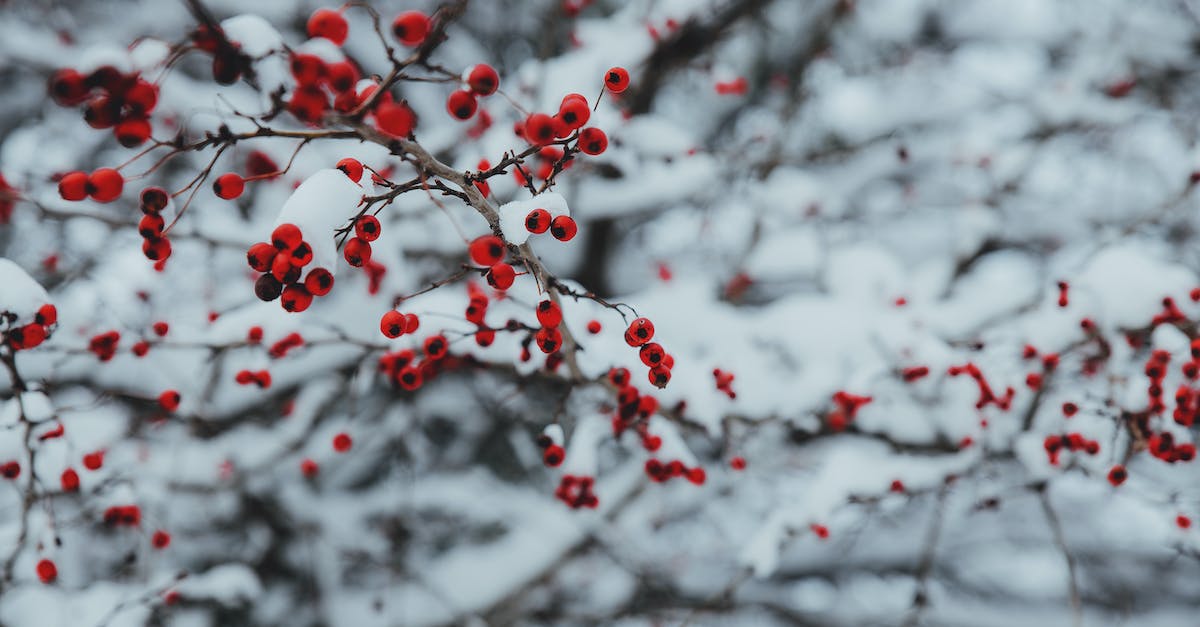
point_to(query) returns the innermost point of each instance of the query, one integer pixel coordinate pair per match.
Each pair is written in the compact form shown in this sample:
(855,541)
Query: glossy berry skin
(652,354)
(639,332)
(436,347)
(501,276)
(286,237)
(616,79)
(574,112)
(160,540)
(563,228)
(483,79)
(132,132)
(154,199)
(554,455)
(659,376)
(592,141)
(229,186)
(548,339)
(593,327)
(319,282)
(67,87)
(295,298)
(357,252)
(342,442)
(353,168)
(392,324)
(462,104)
(486,250)
(169,400)
(395,119)
(410,28)
(73,186)
(69,480)
(309,468)
(538,221)
(539,129)
(151,225)
(329,24)
(156,248)
(105,185)
(47,572)
(260,256)
(367,228)
(549,314)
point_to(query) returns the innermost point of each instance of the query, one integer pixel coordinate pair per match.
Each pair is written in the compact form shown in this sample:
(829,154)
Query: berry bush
(575,312)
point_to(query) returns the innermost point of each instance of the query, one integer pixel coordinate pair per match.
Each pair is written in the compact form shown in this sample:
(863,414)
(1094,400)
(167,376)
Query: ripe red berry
(1183,521)
(73,186)
(132,132)
(141,98)
(169,400)
(367,228)
(46,315)
(738,463)
(659,376)
(353,168)
(392,324)
(300,256)
(501,276)
(69,480)
(67,87)
(309,468)
(260,256)
(229,186)
(342,442)
(616,79)
(357,252)
(574,112)
(151,225)
(47,572)
(10,470)
(329,24)
(549,314)
(295,298)
(483,79)
(156,248)
(563,228)
(1117,475)
(154,199)
(160,539)
(538,221)
(697,475)
(593,141)
(286,237)
(161,328)
(548,339)
(593,327)
(319,282)
(105,184)
(639,332)
(94,460)
(411,27)
(486,250)
(395,119)
(462,104)
(539,129)
(652,354)
(554,455)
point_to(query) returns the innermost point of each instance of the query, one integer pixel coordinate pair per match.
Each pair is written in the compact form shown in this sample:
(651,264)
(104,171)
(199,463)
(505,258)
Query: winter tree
(577,312)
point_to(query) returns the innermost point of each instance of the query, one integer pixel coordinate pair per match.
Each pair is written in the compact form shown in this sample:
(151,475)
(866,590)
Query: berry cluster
(986,395)
(633,409)
(724,381)
(479,81)
(394,324)
(638,335)
(122,102)
(123,516)
(661,473)
(104,345)
(403,369)
(282,261)
(155,244)
(577,492)
(846,406)
(261,378)
(1055,444)
(562,227)
(102,185)
(33,333)
(488,251)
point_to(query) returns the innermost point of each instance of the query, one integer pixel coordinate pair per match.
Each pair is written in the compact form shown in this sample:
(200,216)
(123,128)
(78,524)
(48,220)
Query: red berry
(105,184)
(342,442)
(436,347)
(160,539)
(342,76)
(411,323)
(132,132)
(486,250)
(308,467)
(94,460)
(574,112)
(392,324)
(616,79)
(151,225)
(329,24)
(353,168)
(67,87)
(46,315)
(554,455)
(10,470)
(501,276)
(357,252)
(548,339)
(47,572)
(593,326)
(411,27)
(229,186)
(161,328)
(462,104)
(260,256)
(738,463)
(154,199)
(69,480)
(395,119)
(549,314)
(538,221)
(286,237)
(295,298)
(539,129)
(367,228)
(1117,475)
(73,186)
(141,97)
(563,228)
(1183,521)
(592,141)
(156,248)
(659,376)
(652,354)
(697,475)
(483,79)
(169,400)
(319,282)
(640,331)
